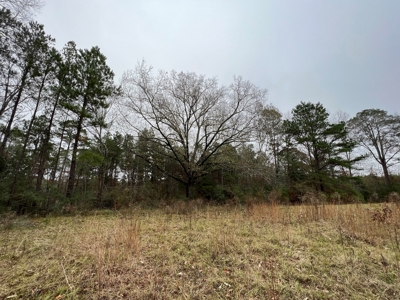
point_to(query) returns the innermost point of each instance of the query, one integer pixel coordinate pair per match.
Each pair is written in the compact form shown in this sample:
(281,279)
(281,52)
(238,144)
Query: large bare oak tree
(191,116)
(379,133)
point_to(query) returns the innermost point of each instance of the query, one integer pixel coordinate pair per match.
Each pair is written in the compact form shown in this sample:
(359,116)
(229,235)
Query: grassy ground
(185,252)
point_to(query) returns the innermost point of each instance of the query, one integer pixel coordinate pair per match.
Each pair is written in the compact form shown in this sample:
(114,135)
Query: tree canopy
(323,143)
(379,133)
(191,116)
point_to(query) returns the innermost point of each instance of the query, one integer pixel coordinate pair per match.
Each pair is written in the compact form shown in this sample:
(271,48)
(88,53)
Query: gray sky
(344,54)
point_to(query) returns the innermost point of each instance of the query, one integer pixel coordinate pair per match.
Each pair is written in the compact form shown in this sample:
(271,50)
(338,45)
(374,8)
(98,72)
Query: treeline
(181,136)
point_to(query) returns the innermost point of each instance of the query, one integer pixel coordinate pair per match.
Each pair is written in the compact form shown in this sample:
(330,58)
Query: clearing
(193,252)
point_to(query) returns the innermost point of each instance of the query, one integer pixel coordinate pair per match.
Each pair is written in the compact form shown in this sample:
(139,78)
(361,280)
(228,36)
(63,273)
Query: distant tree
(294,167)
(127,160)
(269,132)
(110,148)
(379,133)
(64,133)
(253,169)
(191,116)
(350,152)
(322,142)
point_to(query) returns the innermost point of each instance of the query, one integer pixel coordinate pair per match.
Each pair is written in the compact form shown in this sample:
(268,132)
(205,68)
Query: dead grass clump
(183,207)
(317,201)
(128,233)
(313,198)
(234,201)
(394,198)
(335,198)
(274,197)
(374,198)
(196,204)
(68,209)
(179,207)
(273,290)
(265,212)
(382,215)
(7,220)
(250,203)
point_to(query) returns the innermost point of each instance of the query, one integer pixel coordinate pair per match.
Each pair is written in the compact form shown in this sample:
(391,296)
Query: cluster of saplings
(70,136)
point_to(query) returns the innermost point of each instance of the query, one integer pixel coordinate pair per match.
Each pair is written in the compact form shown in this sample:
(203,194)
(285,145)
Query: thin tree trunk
(63,165)
(8,95)
(7,132)
(44,154)
(381,154)
(72,170)
(54,171)
(28,134)
(100,185)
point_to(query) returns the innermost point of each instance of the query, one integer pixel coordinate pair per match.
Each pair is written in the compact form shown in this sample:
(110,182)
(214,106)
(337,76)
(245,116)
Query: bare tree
(22,10)
(192,117)
(269,132)
(379,133)
(339,116)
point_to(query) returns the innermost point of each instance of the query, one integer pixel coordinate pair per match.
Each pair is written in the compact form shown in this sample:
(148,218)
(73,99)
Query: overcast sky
(344,54)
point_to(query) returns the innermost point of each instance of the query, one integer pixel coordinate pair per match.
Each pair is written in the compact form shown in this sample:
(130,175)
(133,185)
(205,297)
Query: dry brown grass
(192,252)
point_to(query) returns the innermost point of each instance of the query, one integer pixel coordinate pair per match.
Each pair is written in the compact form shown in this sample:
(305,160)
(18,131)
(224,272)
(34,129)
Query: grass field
(191,252)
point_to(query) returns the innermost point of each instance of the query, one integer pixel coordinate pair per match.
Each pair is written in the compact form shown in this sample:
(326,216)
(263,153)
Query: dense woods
(71,136)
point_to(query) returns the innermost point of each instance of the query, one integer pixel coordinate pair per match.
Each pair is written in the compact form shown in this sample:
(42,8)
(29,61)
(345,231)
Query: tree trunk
(8,95)
(187,190)
(71,179)
(45,148)
(28,134)
(7,131)
(72,170)
(385,171)
(63,165)
(189,185)
(54,171)
(100,185)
